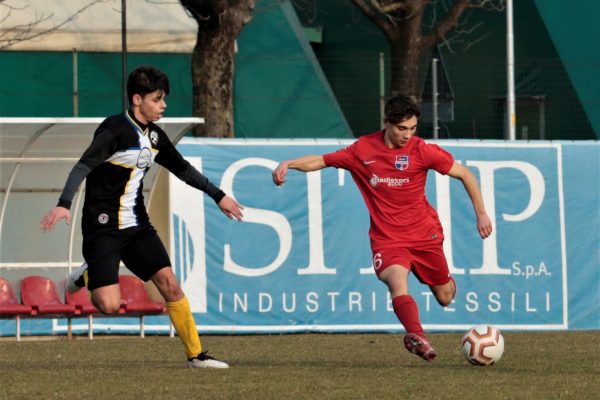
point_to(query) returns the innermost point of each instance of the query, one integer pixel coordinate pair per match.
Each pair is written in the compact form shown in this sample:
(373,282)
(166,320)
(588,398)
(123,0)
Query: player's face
(398,135)
(152,106)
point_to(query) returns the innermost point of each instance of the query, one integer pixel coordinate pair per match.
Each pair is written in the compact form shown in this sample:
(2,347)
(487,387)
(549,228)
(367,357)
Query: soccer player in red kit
(390,169)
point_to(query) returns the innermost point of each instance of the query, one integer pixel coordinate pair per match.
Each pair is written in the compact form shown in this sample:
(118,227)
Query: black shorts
(141,250)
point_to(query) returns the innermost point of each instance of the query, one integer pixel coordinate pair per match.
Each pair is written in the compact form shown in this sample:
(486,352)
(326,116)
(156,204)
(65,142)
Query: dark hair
(146,79)
(400,108)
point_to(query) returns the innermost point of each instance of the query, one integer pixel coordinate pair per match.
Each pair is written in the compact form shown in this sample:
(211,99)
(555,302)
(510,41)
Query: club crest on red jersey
(401,162)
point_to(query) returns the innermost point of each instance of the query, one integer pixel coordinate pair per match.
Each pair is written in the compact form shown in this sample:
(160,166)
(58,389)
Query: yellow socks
(85,278)
(183,321)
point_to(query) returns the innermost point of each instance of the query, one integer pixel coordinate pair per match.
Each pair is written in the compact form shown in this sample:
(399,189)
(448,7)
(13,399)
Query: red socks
(407,312)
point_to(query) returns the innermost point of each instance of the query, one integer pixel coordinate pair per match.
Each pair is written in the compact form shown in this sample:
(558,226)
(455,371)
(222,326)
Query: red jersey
(392,183)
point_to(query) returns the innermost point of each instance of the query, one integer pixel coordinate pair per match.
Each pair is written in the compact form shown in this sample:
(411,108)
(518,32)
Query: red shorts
(428,264)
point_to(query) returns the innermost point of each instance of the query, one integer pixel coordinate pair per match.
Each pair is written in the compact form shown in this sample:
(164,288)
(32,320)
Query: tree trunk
(405,59)
(219,25)
(406,50)
(212,80)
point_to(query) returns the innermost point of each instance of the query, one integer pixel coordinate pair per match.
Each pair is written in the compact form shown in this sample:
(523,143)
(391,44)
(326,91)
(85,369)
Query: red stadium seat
(40,293)
(82,302)
(10,306)
(135,300)
(134,297)
(83,306)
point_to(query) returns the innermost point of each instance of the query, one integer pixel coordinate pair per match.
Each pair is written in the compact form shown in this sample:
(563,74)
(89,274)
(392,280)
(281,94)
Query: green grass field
(536,365)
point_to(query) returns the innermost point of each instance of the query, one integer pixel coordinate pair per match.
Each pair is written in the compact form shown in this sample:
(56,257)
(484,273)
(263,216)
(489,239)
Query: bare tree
(411,37)
(219,25)
(31,30)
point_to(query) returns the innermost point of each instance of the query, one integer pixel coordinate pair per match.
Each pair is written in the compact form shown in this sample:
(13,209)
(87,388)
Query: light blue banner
(301,259)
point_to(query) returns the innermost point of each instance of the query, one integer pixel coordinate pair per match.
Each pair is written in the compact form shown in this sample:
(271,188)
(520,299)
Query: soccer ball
(483,345)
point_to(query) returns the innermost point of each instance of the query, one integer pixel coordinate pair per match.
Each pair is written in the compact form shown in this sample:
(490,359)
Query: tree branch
(374,14)
(388,8)
(449,21)
(21,33)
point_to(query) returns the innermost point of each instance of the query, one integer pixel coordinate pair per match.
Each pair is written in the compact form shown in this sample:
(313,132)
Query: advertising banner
(301,260)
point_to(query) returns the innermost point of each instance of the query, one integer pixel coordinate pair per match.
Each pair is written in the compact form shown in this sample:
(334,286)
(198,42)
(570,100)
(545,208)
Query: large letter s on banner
(259,216)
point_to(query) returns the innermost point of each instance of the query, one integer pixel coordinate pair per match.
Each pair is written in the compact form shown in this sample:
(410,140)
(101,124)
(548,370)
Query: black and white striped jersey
(120,155)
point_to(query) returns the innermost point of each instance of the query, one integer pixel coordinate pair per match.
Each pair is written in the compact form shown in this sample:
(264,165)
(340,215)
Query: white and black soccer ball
(483,345)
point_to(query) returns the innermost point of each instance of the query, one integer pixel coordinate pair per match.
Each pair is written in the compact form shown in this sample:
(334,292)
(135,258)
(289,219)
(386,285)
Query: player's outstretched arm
(231,208)
(484,224)
(53,216)
(304,164)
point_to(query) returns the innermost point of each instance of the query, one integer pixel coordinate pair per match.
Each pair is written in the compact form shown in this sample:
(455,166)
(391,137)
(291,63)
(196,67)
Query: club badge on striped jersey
(154,137)
(401,162)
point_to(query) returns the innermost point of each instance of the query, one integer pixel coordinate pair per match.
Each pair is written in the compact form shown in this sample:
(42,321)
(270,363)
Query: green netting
(547,104)
(280,90)
(40,84)
(574,31)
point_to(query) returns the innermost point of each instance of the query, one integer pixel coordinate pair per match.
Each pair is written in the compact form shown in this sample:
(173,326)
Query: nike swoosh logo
(368,162)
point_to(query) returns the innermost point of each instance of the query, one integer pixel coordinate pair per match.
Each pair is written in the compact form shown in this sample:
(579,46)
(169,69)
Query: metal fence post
(381,88)
(434,98)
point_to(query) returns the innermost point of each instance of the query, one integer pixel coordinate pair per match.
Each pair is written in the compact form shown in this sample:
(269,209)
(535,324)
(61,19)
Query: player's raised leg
(444,294)
(77,279)
(107,298)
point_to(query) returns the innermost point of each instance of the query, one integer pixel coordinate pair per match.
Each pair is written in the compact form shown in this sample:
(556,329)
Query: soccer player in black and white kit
(115,223)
